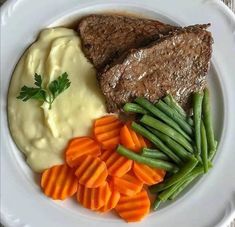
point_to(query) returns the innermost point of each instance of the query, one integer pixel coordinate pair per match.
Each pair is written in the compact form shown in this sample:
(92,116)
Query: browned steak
(107,36)
(176,64)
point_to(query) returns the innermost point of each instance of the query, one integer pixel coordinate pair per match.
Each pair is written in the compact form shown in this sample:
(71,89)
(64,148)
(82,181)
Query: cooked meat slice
(176,64)
(107,36)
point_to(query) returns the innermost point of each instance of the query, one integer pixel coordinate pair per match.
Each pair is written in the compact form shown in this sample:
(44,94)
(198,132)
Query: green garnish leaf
(46,94)
(59,85)
(27,93)
(38,80)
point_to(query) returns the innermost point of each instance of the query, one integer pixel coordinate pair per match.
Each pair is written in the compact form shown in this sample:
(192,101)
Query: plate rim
(9,4)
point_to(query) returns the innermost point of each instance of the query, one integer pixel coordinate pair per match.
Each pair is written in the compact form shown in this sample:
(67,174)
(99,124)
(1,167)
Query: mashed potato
(42,134)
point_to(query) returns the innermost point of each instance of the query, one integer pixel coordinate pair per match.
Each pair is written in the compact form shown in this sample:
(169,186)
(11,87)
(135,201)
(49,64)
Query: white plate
(210,202)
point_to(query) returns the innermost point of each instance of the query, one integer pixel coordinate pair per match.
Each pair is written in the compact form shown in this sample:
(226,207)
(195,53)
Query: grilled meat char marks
(106,37)
(176,64)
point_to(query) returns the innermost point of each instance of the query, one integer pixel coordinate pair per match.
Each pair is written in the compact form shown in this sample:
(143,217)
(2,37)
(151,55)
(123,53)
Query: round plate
(209,202)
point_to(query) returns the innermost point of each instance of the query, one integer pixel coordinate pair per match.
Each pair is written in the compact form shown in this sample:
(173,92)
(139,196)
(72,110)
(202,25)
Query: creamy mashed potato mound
(40,133)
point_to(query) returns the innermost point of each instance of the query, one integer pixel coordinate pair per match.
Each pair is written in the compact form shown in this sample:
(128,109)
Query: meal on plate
(114,111)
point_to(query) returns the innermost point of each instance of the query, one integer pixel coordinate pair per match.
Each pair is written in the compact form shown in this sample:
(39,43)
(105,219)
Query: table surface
(231,5)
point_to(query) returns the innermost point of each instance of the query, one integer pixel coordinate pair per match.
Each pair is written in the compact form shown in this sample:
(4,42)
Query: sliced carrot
(59,182)
(117,165)
(126,138)
(133,208)
(92,172)
(128,185)
(130,139)
(143,141)
(112,201)
(147,174)
(93,198)
(78,148)
(105,120)
(107,130)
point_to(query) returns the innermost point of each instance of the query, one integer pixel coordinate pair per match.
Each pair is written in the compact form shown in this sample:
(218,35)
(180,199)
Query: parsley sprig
(45,93)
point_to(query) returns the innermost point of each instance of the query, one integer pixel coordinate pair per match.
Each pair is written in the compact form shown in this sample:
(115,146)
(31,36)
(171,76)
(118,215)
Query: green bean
(190,120)
(164,128)
(184,184)
(216,144)
(171,102)
(156,203)
(171,110)
(134,108)
(159,114)
(212,154)
(199,157)
(172,114)
(204,150)
(147,161)
(187,168)
(178,185)
(197,112)
(157,142)
(207,116)
(172,144)
(199,169)
(185,181)
(154,153)
(165,194)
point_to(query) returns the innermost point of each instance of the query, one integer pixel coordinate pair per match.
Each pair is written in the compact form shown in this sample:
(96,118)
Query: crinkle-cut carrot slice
(92,172)
(128,184)
(105,120)
(107,130)
(117,165)
(59,182)
(80,147)
(143,141)
(147,174)
(130,139)
(133,208)
(93,198)
(112,201)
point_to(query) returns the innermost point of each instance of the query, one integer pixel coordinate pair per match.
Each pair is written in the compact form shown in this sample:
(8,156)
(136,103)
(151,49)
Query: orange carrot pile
(147,174)
(107,130)
(130,139)
(117,165)
(80,147)
(59,182)
(92,172)
(102,179)
(94,198)
(129,184)
(112,201)
(134,208)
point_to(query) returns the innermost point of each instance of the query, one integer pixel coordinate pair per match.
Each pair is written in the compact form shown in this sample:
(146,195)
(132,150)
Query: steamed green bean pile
(183,145)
